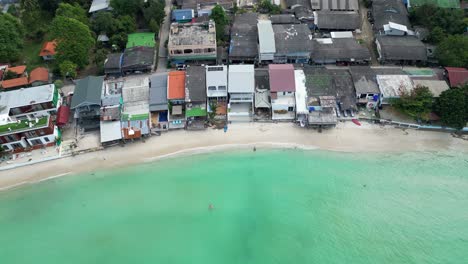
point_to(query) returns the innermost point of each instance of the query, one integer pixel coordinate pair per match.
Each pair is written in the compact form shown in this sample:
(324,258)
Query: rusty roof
(13,83)
(39,74)
(48,49)
(176,85)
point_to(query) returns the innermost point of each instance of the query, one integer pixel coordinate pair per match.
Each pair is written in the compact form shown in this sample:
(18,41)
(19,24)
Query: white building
(393,86)
(282,90)
(241,90)
(216,88)
(395,29)
(302,112)
(266,41)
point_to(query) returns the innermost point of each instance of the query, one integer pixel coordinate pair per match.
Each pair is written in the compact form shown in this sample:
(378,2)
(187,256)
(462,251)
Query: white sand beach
(346,137)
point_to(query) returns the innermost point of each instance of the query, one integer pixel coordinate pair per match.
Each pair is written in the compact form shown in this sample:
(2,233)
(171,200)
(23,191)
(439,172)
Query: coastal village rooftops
(145,39)
(158,92)
(457,76)
(342,5)
(340,20)
(393,86)
(14,83)
(135,94)
(282,77)
(98,5)
(195,84)
(319,82)
(301,92)
(48,48)
(262,88)
(176,85)
(384,11)
(241,79)
(339,49)
(364,77)
(216,81)
(87,92)
(266,37)
(19,70)
(284,19)
(244,37)
(192,34)
(113,61)
(292,38)
(435,86)
(401,48)
(40,74)
(25,97)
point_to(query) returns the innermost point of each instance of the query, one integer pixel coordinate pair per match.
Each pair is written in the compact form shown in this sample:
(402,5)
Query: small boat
(355,121)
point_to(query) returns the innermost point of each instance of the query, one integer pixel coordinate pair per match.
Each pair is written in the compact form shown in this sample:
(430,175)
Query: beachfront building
(135,121)
(216,90)
(282,89)
(365,83)
(241,88)
(266,41)
(302,112)
(195,97)
(262,94)
(158,102)
(86,102)
(110,114)
(26,118)
(176,99)
(192,42)
(393,86)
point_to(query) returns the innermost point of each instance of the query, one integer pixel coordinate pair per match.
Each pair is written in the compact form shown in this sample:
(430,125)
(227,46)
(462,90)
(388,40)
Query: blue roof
(182,14)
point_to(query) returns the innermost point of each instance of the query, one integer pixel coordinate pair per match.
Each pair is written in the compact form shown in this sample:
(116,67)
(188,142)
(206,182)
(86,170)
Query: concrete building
(266,41)
(192,42)
(110,114)
(26,118)
(282,90)
(195,97)
(176,99)
(241,90)
(216,90)
(393,86)
(135,121)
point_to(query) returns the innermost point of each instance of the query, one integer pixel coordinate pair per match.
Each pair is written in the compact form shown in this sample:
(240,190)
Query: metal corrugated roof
(241,79)
(266,37)
(87,91)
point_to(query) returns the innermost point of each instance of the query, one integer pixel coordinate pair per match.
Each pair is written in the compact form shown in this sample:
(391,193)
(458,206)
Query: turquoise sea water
(270,206)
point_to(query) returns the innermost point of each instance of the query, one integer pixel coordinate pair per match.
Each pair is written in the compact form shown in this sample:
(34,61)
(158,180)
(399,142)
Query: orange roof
(18,69)
(176,85)
(48,49)
(39,74)
(13,83)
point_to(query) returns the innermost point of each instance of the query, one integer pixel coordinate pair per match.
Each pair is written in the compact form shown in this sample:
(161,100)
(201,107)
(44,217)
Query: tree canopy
(267,6)
(11,38)
(74,40)
(417,104)
(72,11)
(68,69)
(126,7)
(453,51)
(154,10)
(221,20)
(452,107)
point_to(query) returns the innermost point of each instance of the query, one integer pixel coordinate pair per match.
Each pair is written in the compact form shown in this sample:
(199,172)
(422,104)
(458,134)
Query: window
(35,142)
(211,50)
(177,52)
(215,68)
(16,146)
(212,88)
(46,139)
(290,109)
(11,138)
(188,51)
(198,51)
(5,147)
(222,88)
(363,96)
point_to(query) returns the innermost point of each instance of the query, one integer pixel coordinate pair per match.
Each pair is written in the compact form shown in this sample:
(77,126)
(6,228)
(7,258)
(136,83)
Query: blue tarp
(182,14)
(163,116)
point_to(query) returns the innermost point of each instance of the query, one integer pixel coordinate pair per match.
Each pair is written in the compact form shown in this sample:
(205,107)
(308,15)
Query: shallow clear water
(270,206)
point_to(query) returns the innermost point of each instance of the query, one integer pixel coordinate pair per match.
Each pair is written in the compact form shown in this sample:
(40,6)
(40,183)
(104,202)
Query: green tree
(453,51)
(68,69)
(9,75)
(221,20)
(32,18)
(12,10)
(436,35)
(104,22)
(58,84)
(126,7)
(72,11)
(154,10)
(11,38)
(417,104)
(268,7)
(125,24)
(74,40)
(154,26)
(430,16)
(452,107)
(99,58)
(118,41)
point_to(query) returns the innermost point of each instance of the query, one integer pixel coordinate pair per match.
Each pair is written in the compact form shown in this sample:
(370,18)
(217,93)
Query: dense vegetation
(417,104)
(452,107)
(446,27)
(11,38)
(221,20)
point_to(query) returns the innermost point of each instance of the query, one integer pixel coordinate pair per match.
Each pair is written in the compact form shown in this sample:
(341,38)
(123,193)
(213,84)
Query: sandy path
(346,137)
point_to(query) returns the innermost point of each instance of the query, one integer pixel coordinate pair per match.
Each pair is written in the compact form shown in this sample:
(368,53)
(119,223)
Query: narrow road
(163,36)
(367,34)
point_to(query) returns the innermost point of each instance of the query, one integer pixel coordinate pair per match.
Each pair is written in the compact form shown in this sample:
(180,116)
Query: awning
(63,115)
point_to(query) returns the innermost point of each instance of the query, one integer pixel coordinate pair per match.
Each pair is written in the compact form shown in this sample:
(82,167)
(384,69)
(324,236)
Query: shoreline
(346,137)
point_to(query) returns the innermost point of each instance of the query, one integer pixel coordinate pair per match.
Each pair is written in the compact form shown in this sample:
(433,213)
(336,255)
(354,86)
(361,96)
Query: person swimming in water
(210,207)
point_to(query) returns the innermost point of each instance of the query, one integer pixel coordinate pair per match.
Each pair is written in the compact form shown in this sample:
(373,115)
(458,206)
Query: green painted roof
(127,117)
(195,112)
(23,125)
(439,3)
(141,39)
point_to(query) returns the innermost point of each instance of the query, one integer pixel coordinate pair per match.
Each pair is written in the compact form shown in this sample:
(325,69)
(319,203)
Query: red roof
(13,83)
(176,85)
(40,74)
(18,69)
(282,78)
(48,49)
(63,115)
(457,76)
